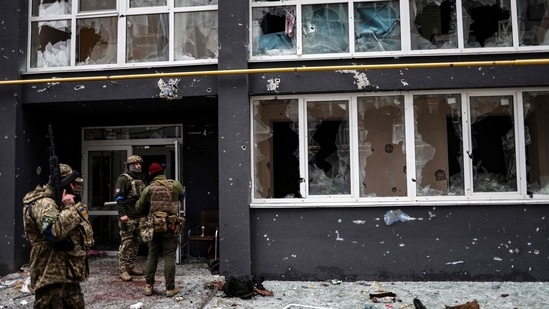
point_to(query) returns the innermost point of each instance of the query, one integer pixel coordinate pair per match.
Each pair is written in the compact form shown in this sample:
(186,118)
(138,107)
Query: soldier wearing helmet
(60,234)
(127,190)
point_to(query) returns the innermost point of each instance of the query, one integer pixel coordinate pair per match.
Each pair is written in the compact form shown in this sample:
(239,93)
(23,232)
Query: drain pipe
(519,62)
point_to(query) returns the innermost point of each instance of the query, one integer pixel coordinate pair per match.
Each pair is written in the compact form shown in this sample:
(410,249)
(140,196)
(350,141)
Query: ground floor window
(411,148)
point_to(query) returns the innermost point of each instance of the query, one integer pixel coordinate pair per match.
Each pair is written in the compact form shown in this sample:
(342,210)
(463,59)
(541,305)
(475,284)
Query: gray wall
(234,141)
(471,243)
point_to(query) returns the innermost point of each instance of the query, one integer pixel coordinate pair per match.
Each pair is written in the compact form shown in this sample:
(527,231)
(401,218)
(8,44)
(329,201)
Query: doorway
(105,151)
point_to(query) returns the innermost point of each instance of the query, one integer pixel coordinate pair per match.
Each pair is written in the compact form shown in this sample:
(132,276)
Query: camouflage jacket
(59,244)
(128,187)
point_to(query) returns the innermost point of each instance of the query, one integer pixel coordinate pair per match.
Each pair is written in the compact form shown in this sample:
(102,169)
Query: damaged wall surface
(257,120)
(483,243)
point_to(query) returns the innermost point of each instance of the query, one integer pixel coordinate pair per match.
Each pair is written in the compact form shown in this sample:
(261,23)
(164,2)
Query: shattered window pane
(96,40)
(97,5)
(196,37)
(328,147)
(146,3)
(536,140)
(273,31)
(147,38)
(377,26)
(381,144)
(325,28)
(533,22)
(433,24)
(493,144)
(487,23)
(438,143)
(276,155)
(179,3)
(51,7)
(51,43)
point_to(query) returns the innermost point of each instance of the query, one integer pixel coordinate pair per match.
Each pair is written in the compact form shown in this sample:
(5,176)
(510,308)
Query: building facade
(358,140)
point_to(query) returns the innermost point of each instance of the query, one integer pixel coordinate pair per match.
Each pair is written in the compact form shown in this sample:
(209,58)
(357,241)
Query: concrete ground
(104,289)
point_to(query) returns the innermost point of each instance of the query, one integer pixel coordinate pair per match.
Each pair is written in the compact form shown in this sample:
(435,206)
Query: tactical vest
(161,192)
(137,186)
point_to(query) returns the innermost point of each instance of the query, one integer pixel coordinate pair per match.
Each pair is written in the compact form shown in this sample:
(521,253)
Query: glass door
(101,170)
(105,151)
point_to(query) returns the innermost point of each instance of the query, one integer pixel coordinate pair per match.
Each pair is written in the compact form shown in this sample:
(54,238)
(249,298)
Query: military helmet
(134,159)
(68,175)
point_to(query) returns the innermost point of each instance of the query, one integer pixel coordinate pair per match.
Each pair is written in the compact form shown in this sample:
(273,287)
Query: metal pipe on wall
(518,62)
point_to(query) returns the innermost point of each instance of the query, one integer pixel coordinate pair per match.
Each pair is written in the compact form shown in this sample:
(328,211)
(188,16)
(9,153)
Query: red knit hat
(155,168)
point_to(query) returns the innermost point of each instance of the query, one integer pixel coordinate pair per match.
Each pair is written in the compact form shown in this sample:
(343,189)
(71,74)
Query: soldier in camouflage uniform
(60,235)
(161,195)
(128,188)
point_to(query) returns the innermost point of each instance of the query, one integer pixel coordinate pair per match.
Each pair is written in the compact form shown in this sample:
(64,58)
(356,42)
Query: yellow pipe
(519,62)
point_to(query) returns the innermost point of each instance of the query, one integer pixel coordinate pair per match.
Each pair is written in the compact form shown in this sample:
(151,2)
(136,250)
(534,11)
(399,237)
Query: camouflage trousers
(129,244)
(59,295)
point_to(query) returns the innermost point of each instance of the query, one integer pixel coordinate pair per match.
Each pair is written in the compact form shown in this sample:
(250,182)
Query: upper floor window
(480,146)
(71,33)
(286,29)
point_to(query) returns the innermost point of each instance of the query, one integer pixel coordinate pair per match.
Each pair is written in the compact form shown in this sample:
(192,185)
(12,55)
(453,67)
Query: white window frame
(405,37)
(521,196)
(121,12)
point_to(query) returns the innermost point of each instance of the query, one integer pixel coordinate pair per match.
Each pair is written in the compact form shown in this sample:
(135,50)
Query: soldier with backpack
(160,200)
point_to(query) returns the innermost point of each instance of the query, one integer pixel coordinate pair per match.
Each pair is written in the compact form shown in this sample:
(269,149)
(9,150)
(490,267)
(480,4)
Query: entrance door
(105,160)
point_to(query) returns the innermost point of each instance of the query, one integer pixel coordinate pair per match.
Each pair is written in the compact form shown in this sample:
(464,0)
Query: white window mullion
(520,145)
(74,33)
(299,30)
(467,147)
(409,128)
(351,34)
(121,48)
(459,25)
(303,151)
(405,38)
(353,147)
(171,30)
(514,24)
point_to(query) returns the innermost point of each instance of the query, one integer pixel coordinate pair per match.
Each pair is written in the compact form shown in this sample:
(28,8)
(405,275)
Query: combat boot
(149,290)
(172,292)
(125,276)
(135,272)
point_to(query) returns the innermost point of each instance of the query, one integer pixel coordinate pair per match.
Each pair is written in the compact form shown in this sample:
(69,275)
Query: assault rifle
(55,172)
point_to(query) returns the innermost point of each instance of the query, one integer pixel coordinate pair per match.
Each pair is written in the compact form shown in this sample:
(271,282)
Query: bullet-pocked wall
(473,243)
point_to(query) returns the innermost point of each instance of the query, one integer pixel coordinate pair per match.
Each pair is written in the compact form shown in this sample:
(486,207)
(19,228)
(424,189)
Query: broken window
(533,22)
(438,144)
(433,24)
(155,30)
(276,156)
(197,35)
(96,40)
(487,23)
(381,146)
(273,30)
(377,26)
(147,38)
(493,156)
(536,141)
(146,3)
(194,2)
(328,147)
(325,28)
(87,5)
(403,148)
